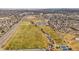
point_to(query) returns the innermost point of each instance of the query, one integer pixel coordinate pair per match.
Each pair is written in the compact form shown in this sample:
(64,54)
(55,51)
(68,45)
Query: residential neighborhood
(39,29)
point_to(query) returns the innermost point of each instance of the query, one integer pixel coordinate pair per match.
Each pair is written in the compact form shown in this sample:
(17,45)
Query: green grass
(27,36)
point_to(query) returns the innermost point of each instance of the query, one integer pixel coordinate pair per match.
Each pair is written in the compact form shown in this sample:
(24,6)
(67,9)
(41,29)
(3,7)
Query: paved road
(7,35)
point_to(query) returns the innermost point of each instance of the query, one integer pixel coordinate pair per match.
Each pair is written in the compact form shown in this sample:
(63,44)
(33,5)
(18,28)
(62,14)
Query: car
(64,47)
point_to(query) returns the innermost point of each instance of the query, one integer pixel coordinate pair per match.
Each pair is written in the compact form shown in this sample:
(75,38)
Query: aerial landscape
(55,29)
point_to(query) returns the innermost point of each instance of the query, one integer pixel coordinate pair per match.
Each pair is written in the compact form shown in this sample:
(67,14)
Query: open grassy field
(27,36)
(70,39)
(53,34)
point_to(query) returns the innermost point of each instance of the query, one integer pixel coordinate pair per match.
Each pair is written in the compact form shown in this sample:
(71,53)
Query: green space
(53,34)
(27,36)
